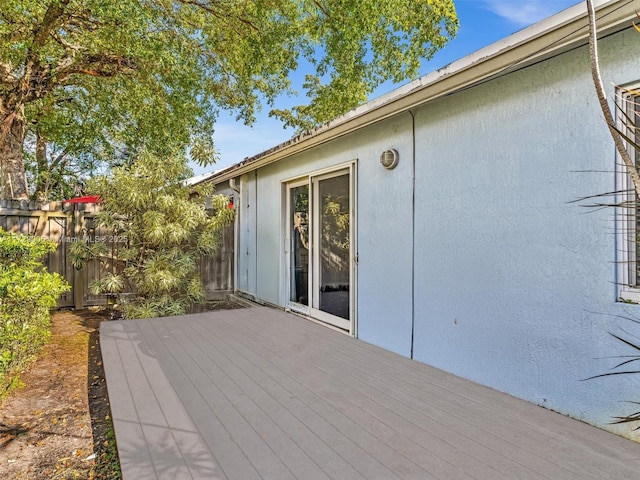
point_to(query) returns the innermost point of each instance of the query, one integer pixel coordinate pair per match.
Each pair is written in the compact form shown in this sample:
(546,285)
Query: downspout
(233,185)
(413,227)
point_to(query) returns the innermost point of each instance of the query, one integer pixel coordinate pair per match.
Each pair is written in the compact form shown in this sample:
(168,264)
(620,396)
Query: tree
(63,147)
(130,74)
(161,230)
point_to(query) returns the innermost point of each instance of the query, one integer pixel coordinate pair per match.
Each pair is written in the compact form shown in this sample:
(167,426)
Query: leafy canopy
(105,77)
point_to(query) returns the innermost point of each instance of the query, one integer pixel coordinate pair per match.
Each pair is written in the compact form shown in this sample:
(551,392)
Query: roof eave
(561,32)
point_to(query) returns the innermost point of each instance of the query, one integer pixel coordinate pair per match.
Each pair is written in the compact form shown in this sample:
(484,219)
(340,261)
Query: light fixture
(389,159)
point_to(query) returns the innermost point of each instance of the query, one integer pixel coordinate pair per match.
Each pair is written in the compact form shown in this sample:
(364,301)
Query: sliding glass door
(321,254)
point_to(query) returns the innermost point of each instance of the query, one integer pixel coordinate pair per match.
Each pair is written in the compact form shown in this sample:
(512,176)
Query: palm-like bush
(165,229)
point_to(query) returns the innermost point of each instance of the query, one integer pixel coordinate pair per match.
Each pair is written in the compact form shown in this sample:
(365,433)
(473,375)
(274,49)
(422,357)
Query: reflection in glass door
(333,232)
(299,248)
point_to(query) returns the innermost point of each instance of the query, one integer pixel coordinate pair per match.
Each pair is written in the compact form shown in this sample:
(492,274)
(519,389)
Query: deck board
(257,393)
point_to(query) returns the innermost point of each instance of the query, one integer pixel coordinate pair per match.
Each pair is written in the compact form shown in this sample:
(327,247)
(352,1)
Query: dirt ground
(58,425)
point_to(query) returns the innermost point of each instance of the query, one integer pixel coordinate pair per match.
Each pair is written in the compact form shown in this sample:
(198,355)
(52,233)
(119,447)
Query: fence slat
(64,223)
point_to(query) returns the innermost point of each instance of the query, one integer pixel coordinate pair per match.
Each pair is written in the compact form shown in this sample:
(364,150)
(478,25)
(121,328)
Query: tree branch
(35,80)
(321,8)
(54,12)
(215,13)
(66,45)
(56,161)
(96,65)
(6,76)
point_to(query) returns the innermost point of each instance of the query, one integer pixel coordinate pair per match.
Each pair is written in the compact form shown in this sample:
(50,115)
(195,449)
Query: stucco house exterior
(437,221)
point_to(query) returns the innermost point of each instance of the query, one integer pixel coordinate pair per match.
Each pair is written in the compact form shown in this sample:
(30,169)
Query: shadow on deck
(257,393)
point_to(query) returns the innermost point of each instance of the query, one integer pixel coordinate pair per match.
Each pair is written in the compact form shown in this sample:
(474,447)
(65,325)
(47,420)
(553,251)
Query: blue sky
(482,22)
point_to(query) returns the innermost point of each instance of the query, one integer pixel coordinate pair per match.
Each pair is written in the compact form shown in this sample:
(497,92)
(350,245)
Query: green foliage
(27,293)
(167,230)
(105,79)
(335,222)
(107,466)
(17,251)
(627,365)
(81,252)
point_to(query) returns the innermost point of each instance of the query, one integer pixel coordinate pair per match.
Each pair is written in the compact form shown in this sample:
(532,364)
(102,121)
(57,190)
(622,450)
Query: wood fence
(65,223)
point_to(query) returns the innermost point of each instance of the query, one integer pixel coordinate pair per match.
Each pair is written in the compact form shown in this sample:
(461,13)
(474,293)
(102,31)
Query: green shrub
(166,230)
(27,293)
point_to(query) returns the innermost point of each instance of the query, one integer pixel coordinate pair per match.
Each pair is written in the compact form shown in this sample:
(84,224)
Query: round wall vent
(389,159)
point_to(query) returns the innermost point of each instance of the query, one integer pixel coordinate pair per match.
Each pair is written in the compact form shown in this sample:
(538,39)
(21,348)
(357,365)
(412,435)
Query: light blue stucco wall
(510,285)
(384,228)
(385,231)
(513,282)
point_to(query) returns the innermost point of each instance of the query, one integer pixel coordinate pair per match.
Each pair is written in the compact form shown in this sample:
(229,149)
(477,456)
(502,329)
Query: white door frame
(312,180)
(291,305)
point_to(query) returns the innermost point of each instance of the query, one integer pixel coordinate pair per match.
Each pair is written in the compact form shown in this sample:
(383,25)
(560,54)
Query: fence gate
(55,225)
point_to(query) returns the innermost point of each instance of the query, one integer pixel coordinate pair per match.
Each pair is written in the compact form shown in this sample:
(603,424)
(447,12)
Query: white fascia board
(197,179)
(206,177)
(561,32)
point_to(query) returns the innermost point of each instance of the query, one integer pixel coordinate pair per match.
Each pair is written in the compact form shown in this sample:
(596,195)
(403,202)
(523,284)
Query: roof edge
(551,36)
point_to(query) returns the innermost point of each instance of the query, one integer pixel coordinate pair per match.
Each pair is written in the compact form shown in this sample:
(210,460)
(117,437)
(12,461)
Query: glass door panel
(299,248)
(332,233)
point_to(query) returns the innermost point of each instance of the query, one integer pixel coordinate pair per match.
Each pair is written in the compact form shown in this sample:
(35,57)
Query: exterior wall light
(389,159)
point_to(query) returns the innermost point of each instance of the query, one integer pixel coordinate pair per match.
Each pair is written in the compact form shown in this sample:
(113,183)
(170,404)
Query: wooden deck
(256,393)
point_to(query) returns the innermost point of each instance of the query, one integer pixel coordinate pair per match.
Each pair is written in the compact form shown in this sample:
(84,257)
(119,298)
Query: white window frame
(626,214)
